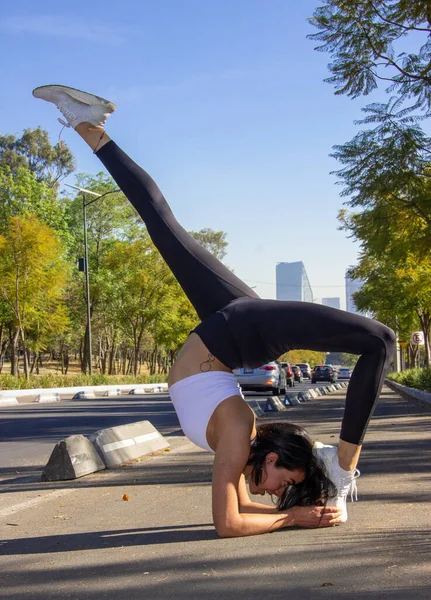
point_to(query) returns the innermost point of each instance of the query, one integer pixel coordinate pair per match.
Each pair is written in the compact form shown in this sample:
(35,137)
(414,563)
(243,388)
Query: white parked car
(269,377)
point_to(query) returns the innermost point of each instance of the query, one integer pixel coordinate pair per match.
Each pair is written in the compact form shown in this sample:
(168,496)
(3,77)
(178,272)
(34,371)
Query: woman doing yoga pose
(239,329)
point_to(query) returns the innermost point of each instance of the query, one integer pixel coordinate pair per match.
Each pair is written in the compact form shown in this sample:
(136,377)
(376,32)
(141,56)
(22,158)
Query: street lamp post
(87,276)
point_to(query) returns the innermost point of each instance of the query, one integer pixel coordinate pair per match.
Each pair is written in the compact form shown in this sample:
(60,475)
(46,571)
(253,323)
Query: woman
(240,329)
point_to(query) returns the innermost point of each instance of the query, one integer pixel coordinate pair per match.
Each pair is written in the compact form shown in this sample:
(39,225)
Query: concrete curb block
(292,398)
(48,398)
(255,406)
(87,395)
(274,404)
(412,393)
(118,445)
(73,390)
(116,392)
(71,458)
(8,401)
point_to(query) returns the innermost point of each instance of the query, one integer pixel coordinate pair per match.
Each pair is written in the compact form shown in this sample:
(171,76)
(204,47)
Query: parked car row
(277,376)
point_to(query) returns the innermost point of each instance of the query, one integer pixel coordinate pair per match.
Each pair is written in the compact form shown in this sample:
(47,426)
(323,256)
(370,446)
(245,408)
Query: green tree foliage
(311,357)
(386,172)
(214,241)
(33,150)
(397,294)
(365,40)
(21,193)
(33,277)
(143,293)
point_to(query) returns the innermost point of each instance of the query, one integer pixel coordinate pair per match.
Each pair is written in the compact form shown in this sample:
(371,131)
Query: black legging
(277,326)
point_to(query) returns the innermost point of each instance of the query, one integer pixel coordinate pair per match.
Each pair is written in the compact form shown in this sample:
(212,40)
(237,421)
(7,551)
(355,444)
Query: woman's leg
(206,281)
(286,326)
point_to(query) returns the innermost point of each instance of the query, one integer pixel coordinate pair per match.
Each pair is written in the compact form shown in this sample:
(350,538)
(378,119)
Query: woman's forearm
(243,524)
(255,524)
(257,507)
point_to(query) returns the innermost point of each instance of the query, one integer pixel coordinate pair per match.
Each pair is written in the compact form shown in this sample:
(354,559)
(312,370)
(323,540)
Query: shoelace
(347,485)
(64,111)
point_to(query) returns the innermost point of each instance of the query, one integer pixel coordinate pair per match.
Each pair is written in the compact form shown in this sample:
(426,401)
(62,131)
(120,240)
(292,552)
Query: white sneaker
(76,106)
(344,481)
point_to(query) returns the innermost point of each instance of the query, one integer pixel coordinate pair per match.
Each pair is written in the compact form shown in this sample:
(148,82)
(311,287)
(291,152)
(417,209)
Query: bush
(9,382)
(415,378)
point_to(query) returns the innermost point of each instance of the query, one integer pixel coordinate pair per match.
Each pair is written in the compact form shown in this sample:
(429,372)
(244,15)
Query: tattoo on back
(206,365)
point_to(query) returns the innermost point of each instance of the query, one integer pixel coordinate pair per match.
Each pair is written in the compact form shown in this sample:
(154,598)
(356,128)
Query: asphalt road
(80,540)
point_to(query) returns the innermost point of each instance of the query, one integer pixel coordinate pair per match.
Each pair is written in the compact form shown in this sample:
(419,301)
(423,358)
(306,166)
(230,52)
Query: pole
(87,288)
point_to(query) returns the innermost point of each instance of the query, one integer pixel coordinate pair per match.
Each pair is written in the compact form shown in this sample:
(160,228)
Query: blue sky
(223,103)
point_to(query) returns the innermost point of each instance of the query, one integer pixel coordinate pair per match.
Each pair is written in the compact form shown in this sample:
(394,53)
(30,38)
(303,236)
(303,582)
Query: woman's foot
(75,105)
(344,481)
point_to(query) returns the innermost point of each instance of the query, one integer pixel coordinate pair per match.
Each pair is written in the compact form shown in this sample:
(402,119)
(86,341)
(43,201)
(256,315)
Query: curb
(411,393)
(103,389)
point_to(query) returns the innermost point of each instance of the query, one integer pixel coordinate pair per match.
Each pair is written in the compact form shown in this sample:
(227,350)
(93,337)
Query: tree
(143,291)
(386,172)
(311,357)
(21,193)
(33,277)
(214,241)
(399,295)
(33,150)
(364,39)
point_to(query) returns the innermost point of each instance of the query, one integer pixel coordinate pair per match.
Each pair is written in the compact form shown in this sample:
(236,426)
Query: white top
(195,398)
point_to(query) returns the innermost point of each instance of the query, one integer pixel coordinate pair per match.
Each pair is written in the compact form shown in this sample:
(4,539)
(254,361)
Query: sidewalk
(80,540)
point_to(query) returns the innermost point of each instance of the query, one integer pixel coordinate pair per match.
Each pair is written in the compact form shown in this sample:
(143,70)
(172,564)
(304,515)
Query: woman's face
(274,480)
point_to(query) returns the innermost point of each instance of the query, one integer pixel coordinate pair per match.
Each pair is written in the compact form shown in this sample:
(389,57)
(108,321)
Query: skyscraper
(334,302)
(352,285)
(292,282)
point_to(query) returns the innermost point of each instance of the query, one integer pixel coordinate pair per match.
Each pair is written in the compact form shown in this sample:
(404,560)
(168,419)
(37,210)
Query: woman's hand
(315,516)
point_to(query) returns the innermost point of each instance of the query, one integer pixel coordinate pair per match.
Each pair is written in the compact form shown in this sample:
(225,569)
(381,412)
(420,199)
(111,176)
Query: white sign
(418,337)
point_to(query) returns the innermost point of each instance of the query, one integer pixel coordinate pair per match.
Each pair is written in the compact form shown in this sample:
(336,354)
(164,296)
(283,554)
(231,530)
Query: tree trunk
(425,320)
(25,357)
(34,364)
(13,352)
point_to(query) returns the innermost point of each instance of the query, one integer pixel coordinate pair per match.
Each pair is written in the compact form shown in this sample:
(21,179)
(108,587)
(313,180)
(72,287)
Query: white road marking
(34,501)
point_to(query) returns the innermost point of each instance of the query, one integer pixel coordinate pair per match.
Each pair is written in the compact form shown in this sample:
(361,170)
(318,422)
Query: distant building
(352,285)
(292,282)
(334,302)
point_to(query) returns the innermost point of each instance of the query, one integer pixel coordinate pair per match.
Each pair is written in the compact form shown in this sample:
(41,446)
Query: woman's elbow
(225,529)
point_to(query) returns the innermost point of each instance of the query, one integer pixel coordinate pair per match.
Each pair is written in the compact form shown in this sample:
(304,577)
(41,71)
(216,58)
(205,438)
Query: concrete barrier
(274,404)
(48,398)
(138,391)
(312,393)
(157,389)
(116,392)
(8,401)
(293,398)
(84,395)
(302,396)
(255,406)
(71,458)
(118,445)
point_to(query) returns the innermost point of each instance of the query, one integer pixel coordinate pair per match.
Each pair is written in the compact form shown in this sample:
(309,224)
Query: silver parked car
(306,370)
(344,373)
(268,377)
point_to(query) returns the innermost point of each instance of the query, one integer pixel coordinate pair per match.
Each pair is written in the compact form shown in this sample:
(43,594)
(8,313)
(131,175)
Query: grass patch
(9,382)
(419,379)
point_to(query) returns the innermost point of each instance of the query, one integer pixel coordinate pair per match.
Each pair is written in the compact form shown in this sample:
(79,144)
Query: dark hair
(294,448)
